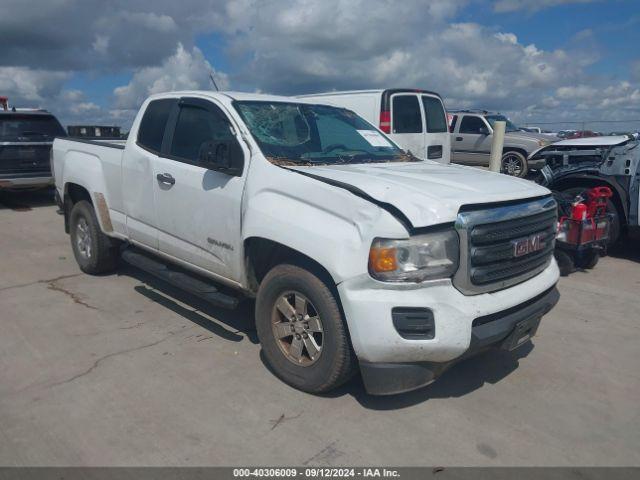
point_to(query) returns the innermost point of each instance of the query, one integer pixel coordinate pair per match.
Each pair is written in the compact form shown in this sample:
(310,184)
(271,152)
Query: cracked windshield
(301,134)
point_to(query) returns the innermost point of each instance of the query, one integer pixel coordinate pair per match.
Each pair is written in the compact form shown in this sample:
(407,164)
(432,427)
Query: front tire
(514,164)
(94,251)
(303,335)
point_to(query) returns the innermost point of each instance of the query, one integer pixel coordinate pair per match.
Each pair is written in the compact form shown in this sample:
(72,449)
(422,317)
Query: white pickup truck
(360,256)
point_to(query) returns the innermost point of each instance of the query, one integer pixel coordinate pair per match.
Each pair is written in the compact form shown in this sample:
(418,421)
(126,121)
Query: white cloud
(101,44)
(184,70)
(300,46)
(26,85)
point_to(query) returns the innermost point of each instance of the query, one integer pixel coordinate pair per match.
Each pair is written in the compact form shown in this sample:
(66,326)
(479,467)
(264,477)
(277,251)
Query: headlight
(422,257)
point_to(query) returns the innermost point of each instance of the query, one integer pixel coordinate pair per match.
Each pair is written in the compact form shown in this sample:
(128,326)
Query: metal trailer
(575,165)
(94,131)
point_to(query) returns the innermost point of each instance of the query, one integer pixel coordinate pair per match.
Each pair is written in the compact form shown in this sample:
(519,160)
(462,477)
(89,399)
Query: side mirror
(484,131)
(224,156)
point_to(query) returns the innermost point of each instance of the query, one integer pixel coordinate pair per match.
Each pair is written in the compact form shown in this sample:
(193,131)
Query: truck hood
(427,193)
(608,141)
(530,136)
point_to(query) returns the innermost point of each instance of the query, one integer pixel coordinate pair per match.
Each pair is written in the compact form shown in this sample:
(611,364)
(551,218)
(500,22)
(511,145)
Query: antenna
(213,81)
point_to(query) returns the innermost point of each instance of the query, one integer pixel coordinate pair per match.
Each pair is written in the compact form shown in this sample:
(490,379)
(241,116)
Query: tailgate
(25,158)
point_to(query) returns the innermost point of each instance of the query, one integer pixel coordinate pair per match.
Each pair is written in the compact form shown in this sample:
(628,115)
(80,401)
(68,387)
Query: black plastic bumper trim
(488,331)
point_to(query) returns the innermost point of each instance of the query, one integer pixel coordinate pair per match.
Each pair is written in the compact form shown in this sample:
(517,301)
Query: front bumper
(368,306)
(508,329)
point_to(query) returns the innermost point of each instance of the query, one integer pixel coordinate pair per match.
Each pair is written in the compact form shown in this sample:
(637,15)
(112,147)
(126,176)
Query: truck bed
(96,164)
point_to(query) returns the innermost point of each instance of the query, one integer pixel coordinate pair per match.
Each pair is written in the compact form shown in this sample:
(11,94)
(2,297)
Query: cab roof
(226,95)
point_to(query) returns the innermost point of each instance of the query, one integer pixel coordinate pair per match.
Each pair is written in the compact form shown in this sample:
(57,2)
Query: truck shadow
(232,325)
(25,201)
(461,379)
(629,249)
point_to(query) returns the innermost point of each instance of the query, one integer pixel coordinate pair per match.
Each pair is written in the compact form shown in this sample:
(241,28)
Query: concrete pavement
(124,370)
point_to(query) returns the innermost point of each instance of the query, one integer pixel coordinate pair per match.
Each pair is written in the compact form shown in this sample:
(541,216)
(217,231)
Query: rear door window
(153,124)
(407,117)
(434,114)
(471,124)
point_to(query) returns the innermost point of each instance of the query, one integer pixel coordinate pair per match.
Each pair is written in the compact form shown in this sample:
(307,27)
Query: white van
(415,119)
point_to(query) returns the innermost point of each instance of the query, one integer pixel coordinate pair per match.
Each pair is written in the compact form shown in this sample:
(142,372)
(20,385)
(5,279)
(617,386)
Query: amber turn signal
(382,259)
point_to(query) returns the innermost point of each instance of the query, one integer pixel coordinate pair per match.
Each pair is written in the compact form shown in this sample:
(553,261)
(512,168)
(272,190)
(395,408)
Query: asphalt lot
(124,370)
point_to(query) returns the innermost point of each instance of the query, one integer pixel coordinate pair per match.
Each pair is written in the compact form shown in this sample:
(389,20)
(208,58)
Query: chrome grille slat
(487,251)
(510,229)
(502,251)
(491,273)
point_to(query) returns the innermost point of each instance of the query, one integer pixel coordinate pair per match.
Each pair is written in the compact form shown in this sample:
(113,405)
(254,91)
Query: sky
(94,62)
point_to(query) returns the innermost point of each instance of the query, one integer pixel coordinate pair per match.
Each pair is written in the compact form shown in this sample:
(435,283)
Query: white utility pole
(495,159)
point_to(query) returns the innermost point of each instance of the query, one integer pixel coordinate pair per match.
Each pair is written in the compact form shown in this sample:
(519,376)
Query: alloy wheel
(83,238)
(511,165)
(297,328)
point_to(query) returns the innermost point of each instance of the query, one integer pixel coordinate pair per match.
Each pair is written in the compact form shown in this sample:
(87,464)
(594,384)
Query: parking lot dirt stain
(325,456)
(487,450)
(99,361)
(37,282)
(53,285)
(283,419)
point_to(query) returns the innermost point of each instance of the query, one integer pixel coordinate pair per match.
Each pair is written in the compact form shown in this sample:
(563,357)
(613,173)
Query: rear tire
(514,164)
(94,251)
(303,335)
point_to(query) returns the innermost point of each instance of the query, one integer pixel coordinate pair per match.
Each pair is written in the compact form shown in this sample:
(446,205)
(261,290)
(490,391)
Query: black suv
(26,137)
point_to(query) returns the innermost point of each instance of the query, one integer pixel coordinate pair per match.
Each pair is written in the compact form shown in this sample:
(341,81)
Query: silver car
(472,135)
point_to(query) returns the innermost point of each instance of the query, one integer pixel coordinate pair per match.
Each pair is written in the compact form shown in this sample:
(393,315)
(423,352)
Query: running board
(180,279)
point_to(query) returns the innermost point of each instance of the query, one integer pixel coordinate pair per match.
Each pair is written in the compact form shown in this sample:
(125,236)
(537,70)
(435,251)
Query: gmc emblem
(524,246)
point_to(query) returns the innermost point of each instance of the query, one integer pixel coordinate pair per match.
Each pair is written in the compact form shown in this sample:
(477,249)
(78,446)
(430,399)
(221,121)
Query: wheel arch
(262,254)
(519,150)
(72,194)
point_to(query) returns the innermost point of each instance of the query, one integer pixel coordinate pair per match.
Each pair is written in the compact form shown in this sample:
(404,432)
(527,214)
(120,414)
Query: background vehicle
(472,133)
(415,119)
(94,131)
(564,134)
(358,254)
(581,134)
(573,166)
(26,137)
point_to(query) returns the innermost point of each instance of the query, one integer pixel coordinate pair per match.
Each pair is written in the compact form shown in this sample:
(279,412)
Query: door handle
(459,139)
(166,178)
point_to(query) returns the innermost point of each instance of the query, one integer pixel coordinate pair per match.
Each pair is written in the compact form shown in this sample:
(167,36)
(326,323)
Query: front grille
(505,245)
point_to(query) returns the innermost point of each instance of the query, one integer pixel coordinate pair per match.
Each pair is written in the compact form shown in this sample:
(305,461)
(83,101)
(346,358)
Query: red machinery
(583,228)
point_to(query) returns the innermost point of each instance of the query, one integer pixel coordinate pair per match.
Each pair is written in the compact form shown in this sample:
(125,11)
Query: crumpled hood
(428,193)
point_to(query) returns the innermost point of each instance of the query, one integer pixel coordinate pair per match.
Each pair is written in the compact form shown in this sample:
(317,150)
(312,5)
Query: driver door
(471,142)
(198,209)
